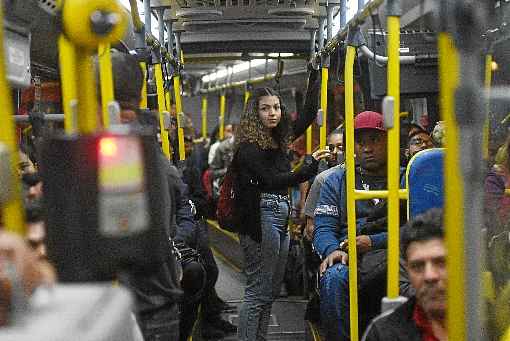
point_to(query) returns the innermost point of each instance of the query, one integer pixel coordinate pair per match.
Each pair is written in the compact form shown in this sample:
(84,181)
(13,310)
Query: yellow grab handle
(12,212)
(222,117)
(324,107)
(106,78)
(454,193)
(178,109)
(350,185)
(165,143)
(393,163)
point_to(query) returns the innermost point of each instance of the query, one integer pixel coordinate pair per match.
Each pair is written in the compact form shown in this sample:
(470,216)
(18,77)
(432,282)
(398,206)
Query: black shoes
(217,329)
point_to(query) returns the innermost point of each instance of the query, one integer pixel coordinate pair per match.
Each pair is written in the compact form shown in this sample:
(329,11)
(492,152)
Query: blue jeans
(334,292)
(264,267)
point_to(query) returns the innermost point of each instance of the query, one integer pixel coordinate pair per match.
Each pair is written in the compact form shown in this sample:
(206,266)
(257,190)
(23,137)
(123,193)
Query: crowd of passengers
(256,150)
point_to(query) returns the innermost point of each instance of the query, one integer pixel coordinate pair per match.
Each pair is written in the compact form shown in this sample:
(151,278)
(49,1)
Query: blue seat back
(425,181)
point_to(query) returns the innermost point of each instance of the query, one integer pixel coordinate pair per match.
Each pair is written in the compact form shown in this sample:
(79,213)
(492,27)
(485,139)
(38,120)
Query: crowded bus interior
(320,170)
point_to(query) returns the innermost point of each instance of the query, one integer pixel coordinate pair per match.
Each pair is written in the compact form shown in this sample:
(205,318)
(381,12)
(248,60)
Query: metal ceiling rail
(357,20)
(252,81)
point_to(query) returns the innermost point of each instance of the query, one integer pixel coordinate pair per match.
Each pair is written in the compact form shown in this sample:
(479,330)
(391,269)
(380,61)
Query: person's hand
(309,228)
(334,257)
(363,244)
(321,154)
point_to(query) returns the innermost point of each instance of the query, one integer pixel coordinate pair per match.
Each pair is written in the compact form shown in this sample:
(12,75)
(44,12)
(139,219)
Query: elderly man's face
(426,265)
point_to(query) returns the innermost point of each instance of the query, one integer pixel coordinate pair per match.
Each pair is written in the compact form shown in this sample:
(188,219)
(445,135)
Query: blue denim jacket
(330,214)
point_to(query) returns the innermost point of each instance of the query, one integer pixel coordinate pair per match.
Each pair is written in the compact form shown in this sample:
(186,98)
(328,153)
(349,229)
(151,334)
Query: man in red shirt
(423,317)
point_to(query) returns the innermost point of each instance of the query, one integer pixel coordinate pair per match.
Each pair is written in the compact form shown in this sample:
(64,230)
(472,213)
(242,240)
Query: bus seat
(424,178)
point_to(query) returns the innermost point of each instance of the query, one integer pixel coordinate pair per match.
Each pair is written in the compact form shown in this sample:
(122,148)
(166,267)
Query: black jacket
(268,171)
(396,325)
(160,290)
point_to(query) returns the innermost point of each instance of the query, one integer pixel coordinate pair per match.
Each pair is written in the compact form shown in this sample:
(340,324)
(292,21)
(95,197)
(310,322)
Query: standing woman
(263,175)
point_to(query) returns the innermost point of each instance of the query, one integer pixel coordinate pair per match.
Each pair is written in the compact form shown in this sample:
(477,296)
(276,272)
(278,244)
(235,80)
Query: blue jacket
(331,213)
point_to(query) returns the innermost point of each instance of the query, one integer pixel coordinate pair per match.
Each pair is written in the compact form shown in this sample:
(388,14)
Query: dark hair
(423,227)
(252,130)
(34,211)
(128,79)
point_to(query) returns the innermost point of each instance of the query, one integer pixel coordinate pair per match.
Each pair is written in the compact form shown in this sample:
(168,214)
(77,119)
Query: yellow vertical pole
(350,185)
(487,83)
(106,78)
(67,64)
(204,116)
(168,99)
(87,99)
(12,210)
(143,101)
(165,143)
(454,207)
(222,116)
(178,110)
(324,107)
(393,163)
(247,95)
(309,139)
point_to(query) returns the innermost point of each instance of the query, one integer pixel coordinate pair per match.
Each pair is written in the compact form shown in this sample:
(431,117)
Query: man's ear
(406,152)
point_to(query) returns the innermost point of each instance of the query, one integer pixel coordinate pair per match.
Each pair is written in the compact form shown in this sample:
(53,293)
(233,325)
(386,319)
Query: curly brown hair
(252,130)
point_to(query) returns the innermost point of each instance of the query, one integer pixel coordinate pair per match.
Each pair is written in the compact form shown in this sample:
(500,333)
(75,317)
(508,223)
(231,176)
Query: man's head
(370,138)
(336,146)
(228,131)
(418,140)
(424,251)
(128,80)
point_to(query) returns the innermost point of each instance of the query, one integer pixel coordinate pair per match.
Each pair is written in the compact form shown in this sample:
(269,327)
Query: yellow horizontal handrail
(381,194)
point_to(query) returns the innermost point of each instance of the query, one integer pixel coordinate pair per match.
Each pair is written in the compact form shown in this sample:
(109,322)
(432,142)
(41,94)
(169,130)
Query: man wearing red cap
(330,235)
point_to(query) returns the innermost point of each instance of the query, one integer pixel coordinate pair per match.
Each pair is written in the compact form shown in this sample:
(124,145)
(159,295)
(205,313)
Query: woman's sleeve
(251,159)
(305,118)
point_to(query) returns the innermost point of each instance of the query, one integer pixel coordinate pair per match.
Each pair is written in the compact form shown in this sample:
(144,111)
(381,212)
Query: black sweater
(268,171)
(397,325)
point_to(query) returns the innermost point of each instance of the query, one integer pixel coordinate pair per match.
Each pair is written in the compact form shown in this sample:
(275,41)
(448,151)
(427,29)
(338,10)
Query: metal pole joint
(394,8)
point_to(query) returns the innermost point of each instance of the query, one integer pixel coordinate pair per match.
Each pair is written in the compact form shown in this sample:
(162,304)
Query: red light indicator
(108,146)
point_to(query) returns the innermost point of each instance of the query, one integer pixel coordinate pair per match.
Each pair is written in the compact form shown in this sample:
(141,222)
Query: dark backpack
(226,209)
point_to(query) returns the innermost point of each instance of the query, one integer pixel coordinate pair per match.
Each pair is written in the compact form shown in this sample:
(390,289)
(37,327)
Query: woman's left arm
(305,118)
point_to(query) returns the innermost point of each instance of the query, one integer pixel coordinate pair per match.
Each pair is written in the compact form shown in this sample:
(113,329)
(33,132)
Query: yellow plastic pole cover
(309,140)
(12,211)
(67,59)
(454,193)
(143,101)
(204,116)
(350,185)
(165,143)
(222,117)
(324,107)
(178,110)
(106,78)
(393,163)
(487,83)
(87,99)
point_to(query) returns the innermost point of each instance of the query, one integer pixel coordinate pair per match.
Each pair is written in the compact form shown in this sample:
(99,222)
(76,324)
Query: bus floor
(287,316)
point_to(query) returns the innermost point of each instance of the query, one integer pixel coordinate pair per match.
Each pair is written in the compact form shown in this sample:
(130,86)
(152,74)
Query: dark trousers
(208,301)
(162,325)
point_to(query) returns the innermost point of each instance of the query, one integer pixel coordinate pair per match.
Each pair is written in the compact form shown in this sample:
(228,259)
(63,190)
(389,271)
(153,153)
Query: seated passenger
(329,237)
(418,140)
(227,133)
(156,294)
(497,180)
(335,144)
(222,159)
(17,259)
(422,317)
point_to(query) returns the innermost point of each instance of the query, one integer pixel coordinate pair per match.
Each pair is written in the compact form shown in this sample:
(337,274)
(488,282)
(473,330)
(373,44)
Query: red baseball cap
(369,120)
